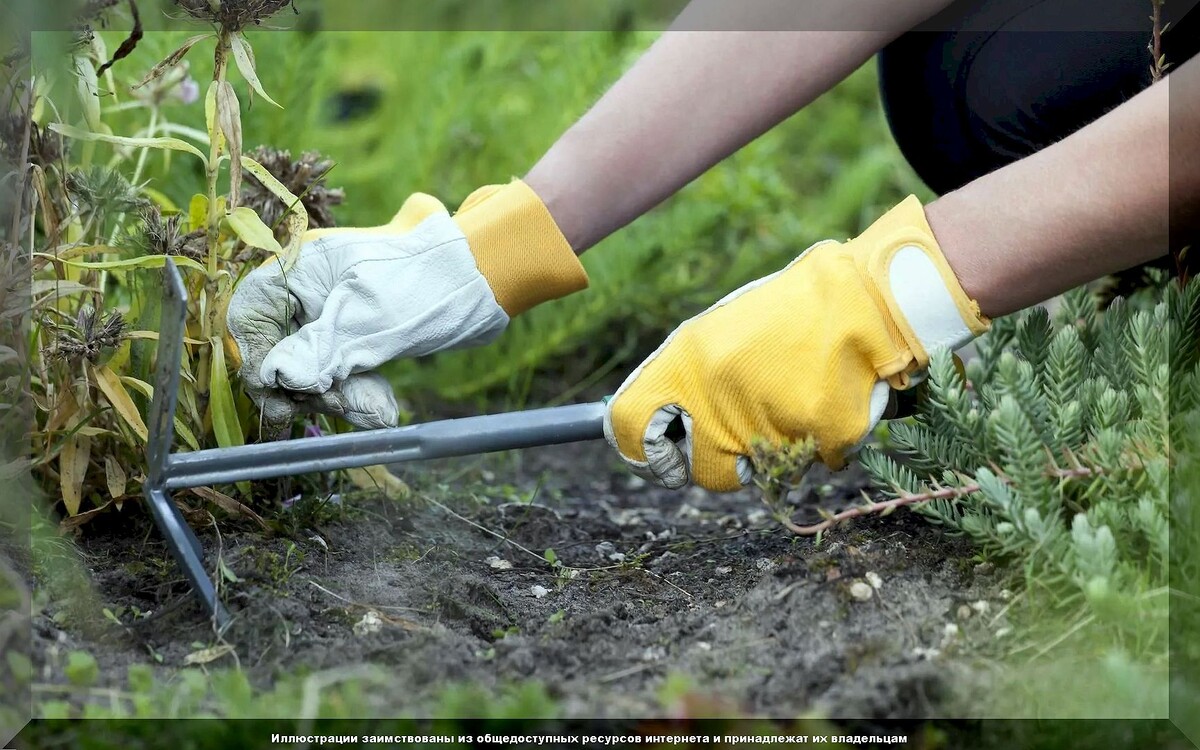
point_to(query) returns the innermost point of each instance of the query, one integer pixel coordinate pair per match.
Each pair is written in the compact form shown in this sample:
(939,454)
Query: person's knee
(986,84)
(1024,91)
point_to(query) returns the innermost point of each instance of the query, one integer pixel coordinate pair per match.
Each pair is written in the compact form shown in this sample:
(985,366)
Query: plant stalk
(220,67)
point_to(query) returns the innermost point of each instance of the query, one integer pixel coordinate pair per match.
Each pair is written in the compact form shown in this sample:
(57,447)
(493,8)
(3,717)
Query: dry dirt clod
(370,623)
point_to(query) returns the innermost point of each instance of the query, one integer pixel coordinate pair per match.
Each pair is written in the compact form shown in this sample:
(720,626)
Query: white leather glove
(310,336)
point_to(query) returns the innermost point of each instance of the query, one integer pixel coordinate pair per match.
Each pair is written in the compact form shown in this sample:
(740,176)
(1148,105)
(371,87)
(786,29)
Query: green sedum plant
(1055,452)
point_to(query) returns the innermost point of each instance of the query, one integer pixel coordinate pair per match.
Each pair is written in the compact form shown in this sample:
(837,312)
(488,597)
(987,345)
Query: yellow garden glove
(308,338)
(810,351)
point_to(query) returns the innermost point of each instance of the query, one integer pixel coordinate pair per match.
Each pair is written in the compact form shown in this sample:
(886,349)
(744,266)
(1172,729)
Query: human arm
(812,351)
(696,96)
(1099,201)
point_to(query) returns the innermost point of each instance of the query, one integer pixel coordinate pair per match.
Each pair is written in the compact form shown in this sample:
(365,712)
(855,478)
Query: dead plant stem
(941,493)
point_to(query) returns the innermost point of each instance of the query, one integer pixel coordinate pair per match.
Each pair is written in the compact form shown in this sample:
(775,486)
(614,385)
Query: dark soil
(754,618)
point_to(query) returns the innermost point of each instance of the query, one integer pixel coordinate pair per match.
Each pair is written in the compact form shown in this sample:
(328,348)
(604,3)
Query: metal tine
(180,539)
(451,437)
(443,439)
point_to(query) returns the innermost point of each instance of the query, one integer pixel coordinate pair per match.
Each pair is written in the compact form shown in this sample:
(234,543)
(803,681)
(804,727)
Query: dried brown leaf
(229,505)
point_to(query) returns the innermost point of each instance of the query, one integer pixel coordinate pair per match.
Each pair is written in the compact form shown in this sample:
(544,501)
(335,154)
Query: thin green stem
(220,67)
(221,63)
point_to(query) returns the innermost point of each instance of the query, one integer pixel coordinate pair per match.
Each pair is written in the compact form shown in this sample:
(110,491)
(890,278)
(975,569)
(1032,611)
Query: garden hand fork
(172,471)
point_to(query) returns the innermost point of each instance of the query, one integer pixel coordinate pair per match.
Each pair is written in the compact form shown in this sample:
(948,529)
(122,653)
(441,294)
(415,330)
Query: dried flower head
(91,13)
(305,178)
(159,235)
(44,148)
(234,15)
(87,337)
(103,191)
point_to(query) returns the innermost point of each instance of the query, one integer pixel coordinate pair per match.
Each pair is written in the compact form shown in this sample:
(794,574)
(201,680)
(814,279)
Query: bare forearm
(1097,202)
(694,98)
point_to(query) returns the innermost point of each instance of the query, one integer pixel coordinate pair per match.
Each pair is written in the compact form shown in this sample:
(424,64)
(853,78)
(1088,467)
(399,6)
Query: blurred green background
(444,112)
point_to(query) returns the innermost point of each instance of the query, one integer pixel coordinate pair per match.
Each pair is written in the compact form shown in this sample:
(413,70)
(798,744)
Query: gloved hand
(309,337)
(810,351)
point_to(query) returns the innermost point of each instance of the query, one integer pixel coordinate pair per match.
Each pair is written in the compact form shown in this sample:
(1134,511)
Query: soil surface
(704,588)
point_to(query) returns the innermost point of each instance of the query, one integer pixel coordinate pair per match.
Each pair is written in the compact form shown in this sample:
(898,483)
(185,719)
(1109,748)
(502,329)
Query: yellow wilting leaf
(173,144)
(71,253)
(297,216)
(115,477)
(229,117)
(198,212)
(153,336)
(126,264)
(379,478)
(210,116)
(205,655)
(243,55)
(250,229)
(297,224)
(66,408)
(226,427)
(114,390)
(72,467)
(147,390)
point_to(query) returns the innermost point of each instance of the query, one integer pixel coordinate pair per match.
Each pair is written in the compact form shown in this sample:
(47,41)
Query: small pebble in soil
(703,645)
(498,563)
(627,517)
(874,579)
(980,606)
(764,564)
(984,569)
(662,559)
(1002,632)
(604,549)
(757,517)
(653,653)
(617,557)
(861,591)
(964,612)
(723,570)
(539,591)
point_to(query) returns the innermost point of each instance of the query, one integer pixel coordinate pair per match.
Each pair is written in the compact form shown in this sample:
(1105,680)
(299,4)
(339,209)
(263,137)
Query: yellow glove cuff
(899,256)
(518,247)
